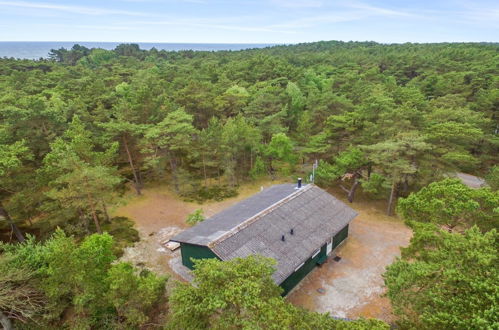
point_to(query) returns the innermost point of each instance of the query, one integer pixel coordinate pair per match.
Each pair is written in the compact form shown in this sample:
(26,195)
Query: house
(298,226)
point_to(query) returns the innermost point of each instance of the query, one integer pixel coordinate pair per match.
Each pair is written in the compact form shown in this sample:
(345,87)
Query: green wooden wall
(196,252)
(297,276)
(340,236)
(201,252)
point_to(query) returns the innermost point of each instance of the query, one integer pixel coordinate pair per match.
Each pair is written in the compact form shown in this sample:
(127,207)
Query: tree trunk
(84,219)
(94,214)
(130,160)
(251,159)
(139,176)
(356,182)
(204,173)
(5,322)
(406,184)
(393,196)
(173,165)
(15,229)
(106,214)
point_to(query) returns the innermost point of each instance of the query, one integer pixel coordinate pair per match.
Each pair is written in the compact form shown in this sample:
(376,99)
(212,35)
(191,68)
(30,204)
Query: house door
(329,247)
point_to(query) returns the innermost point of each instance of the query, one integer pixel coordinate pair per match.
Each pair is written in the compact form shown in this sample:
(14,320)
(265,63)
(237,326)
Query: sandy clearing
(159,215)
(353,287)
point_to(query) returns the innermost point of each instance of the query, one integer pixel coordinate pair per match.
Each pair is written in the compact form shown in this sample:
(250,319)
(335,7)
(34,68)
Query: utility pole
(314,166)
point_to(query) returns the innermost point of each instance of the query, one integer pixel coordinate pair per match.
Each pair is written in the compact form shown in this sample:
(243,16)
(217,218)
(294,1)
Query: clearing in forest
(351,288)
(159,214)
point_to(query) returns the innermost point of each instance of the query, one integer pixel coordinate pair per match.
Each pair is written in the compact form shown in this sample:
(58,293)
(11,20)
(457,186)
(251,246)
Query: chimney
(299,183)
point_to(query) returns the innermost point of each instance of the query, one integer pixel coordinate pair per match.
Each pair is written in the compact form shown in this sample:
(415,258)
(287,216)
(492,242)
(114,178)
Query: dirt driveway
(353,286)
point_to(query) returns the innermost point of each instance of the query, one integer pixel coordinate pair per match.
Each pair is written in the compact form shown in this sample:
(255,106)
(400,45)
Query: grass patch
(123,231)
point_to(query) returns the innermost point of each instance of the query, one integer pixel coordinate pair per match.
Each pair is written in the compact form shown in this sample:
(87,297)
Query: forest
(392,121)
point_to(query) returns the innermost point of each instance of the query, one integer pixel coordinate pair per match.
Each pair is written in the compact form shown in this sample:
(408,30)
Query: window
(316,253)
(299,266)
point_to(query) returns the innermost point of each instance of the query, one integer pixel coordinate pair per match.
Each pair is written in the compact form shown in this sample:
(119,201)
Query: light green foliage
(326,173)
(493,178)
(397,156)
(350,160)
(72,127)
(376,185)
(238,138)
(233,100)
(195,217)
(446,281)
(80,177)
(258,168)
(449,202)
(297,103)
(168,140)
(133,295)
(280,147)
(174,133)
(240,294)
(98,57)
(11,156)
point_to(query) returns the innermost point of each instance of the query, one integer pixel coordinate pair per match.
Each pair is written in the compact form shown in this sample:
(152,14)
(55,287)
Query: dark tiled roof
(256,225)
(209,230)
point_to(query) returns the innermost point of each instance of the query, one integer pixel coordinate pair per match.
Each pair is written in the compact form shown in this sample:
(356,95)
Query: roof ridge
(257,216)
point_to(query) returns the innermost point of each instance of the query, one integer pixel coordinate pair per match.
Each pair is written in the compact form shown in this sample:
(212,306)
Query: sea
(40,49)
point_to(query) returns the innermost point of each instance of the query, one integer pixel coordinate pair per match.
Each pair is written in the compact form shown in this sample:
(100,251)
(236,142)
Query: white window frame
(316,253)
(299,266)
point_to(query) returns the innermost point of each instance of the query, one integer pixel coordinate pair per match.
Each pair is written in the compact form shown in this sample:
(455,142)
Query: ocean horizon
(34,50)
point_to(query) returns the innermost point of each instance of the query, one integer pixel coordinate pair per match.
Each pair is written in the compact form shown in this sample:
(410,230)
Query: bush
(123,231)
(195,217)
(204,194)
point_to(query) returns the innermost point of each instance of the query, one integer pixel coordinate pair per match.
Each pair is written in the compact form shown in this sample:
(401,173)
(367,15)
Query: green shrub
(203,194)
(123,231)
(195,217)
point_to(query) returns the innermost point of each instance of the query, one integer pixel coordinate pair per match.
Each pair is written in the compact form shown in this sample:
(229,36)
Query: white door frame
(329,247)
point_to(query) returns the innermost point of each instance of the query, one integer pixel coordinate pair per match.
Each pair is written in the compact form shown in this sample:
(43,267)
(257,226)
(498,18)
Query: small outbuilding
(298,226)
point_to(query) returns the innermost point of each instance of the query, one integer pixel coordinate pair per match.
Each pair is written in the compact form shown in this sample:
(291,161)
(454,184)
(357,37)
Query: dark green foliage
(407,113)
(80,128)
(123,232)
(216,193)
(493,178)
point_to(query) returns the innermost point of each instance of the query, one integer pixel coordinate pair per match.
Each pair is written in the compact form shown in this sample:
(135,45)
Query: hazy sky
(249,21)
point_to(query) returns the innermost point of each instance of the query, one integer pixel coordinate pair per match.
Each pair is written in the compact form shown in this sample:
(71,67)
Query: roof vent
(283,238)
(292,231)
(299,183)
